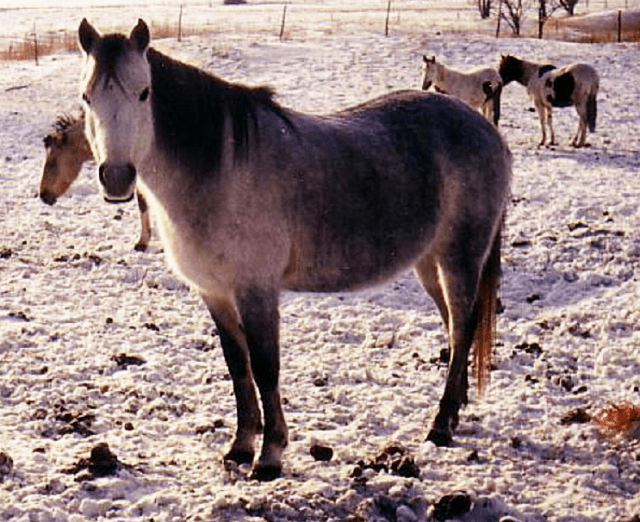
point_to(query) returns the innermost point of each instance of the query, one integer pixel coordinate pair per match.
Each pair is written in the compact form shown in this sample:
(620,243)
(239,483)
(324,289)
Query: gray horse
(252,198)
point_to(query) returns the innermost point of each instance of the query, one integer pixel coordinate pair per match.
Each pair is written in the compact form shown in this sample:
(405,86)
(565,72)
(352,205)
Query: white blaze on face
(119,124)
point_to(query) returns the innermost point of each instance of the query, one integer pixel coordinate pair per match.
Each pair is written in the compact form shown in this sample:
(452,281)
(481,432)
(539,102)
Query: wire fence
(31,28)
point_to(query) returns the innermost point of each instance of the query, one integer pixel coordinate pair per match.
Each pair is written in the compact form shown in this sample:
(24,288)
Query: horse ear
(140,35)
(87,35)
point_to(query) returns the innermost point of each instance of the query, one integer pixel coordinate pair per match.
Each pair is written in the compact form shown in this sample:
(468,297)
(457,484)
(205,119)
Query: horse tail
(486,300)
(492,92)
(496,104)
(592,111)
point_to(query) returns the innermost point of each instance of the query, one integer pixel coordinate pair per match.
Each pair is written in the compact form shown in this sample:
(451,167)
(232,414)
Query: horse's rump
(564,86)
(381,196)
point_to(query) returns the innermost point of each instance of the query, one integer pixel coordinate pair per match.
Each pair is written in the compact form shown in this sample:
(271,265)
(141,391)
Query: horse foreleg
(543,123)
(260,317)
(236,354)
(145,224)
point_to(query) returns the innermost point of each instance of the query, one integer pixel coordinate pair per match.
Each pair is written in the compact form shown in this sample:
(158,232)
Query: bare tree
(568,5)
(546,10)
(512,12)
(484,6)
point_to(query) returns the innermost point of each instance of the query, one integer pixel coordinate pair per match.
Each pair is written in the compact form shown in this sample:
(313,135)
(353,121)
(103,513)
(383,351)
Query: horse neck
(529,72)
(78,139)
(444,76)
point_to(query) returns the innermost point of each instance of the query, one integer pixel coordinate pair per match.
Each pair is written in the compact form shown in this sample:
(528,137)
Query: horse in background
(66,150)
(480,87)
(550,86)
(252,198)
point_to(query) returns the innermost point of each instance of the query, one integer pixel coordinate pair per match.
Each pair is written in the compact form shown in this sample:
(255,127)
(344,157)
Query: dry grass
(622,419)
(67,41)
(584,29)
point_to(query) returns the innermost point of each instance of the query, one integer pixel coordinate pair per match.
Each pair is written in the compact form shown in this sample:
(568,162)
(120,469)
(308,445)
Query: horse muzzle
(48,197)
(118,182)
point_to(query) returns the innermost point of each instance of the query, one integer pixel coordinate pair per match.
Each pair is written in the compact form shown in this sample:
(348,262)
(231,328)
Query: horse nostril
(132,171)
(48,197)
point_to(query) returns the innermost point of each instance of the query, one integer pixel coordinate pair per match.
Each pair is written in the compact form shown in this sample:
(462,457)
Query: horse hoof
(440,438)
(240,456)
(266,473)
(140,247)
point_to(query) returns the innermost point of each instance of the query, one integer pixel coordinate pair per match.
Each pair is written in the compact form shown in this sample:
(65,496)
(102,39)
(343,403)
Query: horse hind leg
(237,356)
(469,288)
(427,271)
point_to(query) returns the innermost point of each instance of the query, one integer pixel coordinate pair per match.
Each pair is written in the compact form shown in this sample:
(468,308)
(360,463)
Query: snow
(359,371)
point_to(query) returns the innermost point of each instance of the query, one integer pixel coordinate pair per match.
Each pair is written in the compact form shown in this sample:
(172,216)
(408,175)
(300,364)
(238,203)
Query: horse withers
(66,150)
(550,86)
(480,87)
(252,198)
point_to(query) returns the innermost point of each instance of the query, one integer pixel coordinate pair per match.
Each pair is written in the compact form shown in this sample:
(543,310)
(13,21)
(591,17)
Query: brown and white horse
(549,86)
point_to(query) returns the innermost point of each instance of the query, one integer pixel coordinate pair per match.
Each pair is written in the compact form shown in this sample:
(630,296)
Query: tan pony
(480,87)
(67,149)
(550,86)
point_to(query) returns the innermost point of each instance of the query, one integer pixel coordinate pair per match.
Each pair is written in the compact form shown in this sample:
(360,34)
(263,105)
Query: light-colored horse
(549,86)
(480,87)
(66,150)
(252,198)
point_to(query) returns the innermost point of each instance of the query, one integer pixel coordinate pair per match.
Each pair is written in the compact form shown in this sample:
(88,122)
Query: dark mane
(61,127)
(544,69)
(190,107)
(66,120)
(110,49)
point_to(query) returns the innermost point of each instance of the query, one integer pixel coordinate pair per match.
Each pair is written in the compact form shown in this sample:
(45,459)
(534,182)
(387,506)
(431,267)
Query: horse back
(367,190)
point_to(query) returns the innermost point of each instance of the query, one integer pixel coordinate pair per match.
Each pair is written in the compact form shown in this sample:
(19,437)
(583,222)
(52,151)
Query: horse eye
(85,98)
(144,94)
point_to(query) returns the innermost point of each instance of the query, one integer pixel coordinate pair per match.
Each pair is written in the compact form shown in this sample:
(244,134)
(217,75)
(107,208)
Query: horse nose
(48,197)
(118,181)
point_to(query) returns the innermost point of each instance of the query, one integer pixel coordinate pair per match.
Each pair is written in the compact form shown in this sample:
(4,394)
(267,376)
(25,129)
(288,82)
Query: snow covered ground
(360,372)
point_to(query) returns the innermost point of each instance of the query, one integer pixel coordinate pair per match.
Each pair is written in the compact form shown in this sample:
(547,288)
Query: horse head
(116,91)
(429,71)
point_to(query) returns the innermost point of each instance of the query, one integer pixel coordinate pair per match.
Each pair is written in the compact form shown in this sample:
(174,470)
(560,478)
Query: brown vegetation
(623,419)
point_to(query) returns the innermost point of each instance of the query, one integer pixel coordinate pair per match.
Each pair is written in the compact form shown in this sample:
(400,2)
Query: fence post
(386,22)
(619,26)
(284,16)
(35,43)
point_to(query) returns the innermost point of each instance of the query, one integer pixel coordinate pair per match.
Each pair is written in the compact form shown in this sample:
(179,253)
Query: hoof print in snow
(452,505)
(6,465)
(101,463)
(123,360)
(321,453)
(393,459)
(577,416)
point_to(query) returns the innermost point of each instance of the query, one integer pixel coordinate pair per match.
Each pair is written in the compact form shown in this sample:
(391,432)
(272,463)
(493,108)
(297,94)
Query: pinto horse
(480,87)
(66,150)
(574,84)
(252,198)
